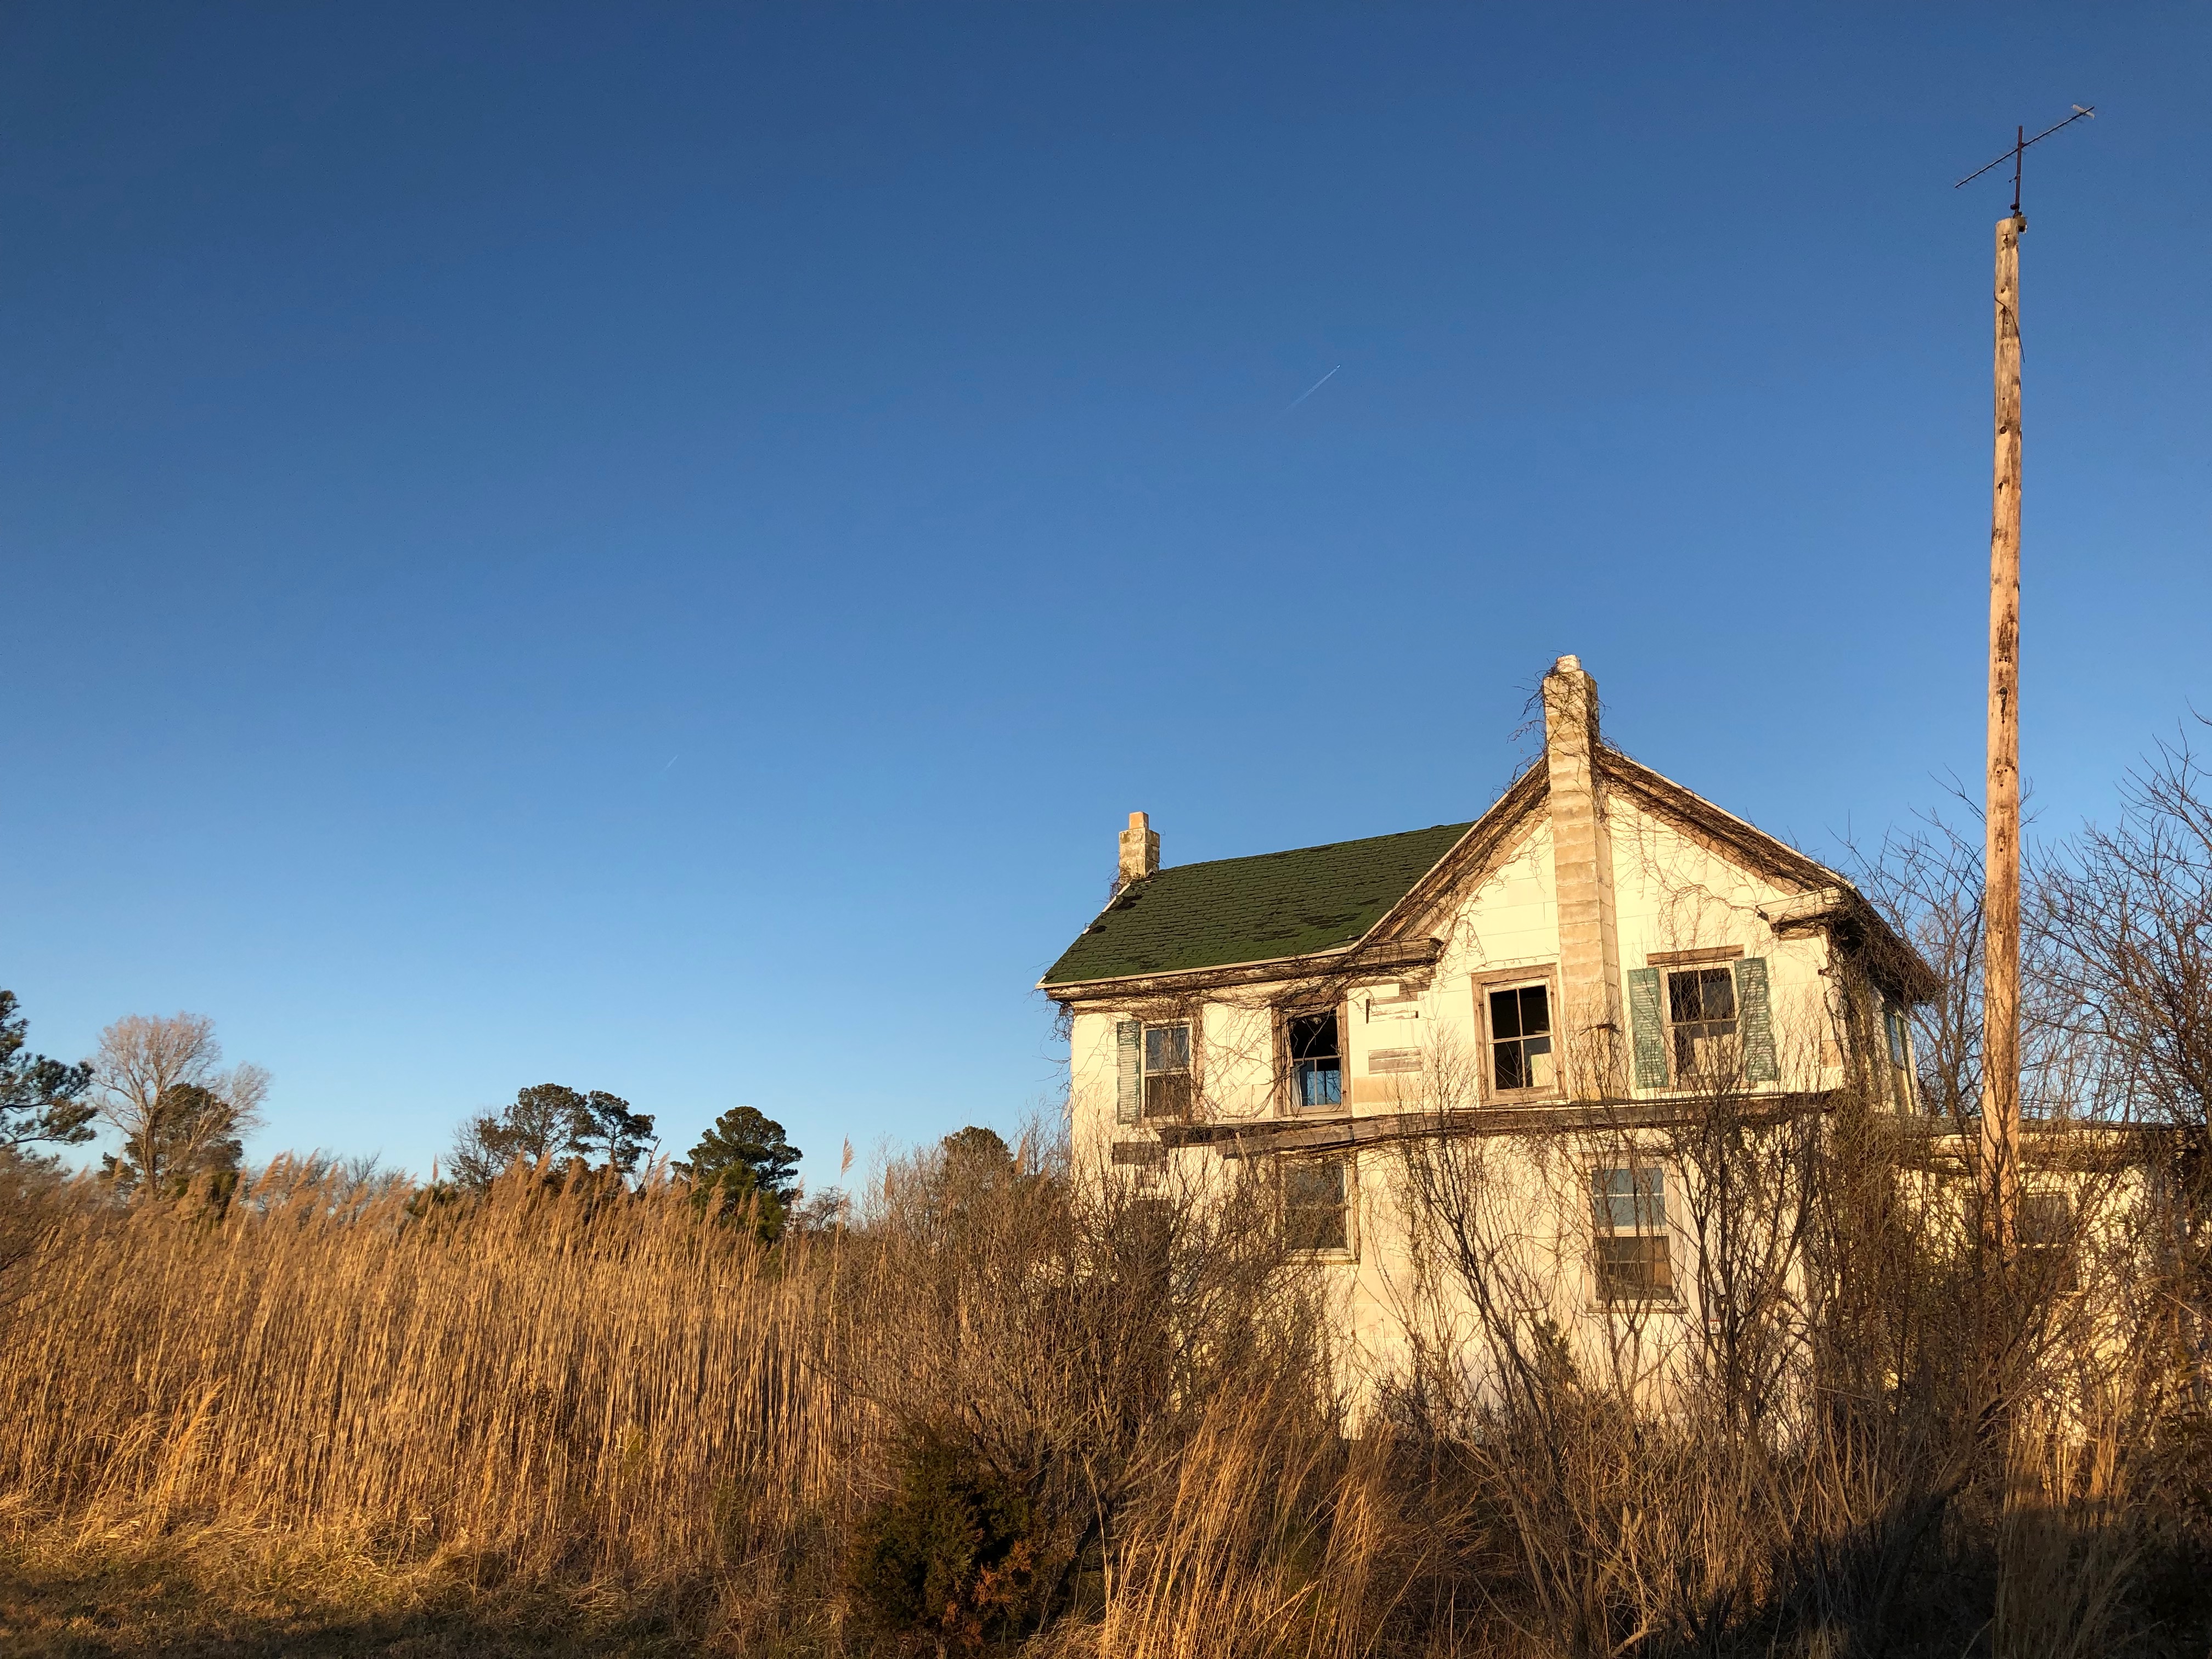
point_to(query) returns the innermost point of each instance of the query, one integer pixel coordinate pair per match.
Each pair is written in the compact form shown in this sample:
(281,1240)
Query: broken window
(1316,1061)
(1521,1038)
(1702,1016)
(1628,1212)
(1316,1195)
(1166,1071)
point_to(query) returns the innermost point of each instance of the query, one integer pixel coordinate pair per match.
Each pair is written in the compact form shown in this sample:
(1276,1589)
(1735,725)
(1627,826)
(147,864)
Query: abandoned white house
(1601,942)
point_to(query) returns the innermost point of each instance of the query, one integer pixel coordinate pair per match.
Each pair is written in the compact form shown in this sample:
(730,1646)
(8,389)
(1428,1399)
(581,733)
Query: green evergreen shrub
(951,1557)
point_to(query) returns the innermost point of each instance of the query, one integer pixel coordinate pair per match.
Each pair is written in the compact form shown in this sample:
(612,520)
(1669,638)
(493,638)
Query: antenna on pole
(2019,147)
(2001,1127)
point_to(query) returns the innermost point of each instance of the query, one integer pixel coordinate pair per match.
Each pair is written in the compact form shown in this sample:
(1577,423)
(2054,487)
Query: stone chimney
(1140,849)
(1588,1021)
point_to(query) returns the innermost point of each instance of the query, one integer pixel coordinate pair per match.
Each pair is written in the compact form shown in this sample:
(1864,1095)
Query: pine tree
(744,1166)
(41,1100)
(602,1129)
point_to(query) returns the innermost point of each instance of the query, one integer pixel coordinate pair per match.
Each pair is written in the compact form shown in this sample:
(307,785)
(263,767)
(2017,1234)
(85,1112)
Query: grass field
(1002,1411)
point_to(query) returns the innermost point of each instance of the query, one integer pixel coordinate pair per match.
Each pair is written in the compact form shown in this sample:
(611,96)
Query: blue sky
(653,547)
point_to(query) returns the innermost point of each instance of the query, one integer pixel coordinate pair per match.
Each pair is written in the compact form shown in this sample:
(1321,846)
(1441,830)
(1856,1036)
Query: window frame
(1685,1074)
(1286,1090)
(1189,1024)
(1603,1284)
(1546,975)
(1348,1201)
(1701,960)
(1895,1019)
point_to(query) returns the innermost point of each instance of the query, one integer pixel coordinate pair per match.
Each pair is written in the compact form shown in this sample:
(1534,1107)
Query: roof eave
(1363,956)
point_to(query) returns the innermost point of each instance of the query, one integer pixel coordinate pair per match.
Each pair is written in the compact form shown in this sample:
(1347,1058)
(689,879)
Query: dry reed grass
(331,1417)
(554,1379)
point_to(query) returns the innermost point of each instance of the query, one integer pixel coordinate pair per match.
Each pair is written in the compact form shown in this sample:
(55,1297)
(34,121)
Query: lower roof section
(1257,909)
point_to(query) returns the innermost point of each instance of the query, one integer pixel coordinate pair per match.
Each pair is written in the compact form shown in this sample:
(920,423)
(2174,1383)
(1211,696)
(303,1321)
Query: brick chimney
(1140,849)
(1588,1020)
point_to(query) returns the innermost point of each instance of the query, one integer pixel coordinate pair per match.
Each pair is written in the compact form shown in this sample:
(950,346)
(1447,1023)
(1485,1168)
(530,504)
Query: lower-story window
(1631,1253)
(1317,1205)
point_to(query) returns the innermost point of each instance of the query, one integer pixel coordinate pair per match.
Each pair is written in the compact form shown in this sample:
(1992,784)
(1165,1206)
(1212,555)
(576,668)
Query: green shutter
(1129,1071)
(1758,1023)
(1648,1026)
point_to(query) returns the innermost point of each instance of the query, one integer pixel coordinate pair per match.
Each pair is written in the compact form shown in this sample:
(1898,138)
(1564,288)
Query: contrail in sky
(1310,390)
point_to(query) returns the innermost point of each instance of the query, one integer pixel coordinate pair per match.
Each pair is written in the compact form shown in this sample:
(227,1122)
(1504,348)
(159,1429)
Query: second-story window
(1167,1070)
(1316,1061)
(1521,1038)
(1701,1018)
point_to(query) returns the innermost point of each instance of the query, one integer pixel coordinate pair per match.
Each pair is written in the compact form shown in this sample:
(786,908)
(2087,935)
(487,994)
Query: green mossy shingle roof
(1255,909)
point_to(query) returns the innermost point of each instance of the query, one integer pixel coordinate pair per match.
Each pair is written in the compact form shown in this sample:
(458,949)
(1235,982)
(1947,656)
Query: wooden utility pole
(2000,814)
(2001,806)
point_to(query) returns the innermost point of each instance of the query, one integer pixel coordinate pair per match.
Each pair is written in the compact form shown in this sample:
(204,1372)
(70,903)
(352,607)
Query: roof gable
(1729,837)
(1231,911)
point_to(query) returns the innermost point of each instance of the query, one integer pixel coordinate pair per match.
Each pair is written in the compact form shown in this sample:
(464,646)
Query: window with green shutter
(1701,1023)
(1704,1023)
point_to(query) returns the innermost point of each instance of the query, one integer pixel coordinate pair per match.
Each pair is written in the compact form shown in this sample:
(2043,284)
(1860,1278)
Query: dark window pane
(1703,993)
(1313,1036)
(1701,1008)
(1505,1014)
(1520,1048)
(1168,1095)
(1717,991)
(1682,998)
(1635,1268)
(1535,1010)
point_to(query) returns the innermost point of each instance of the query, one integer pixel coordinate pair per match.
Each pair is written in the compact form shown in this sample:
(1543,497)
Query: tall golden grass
(545,1378)
(565,1385)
